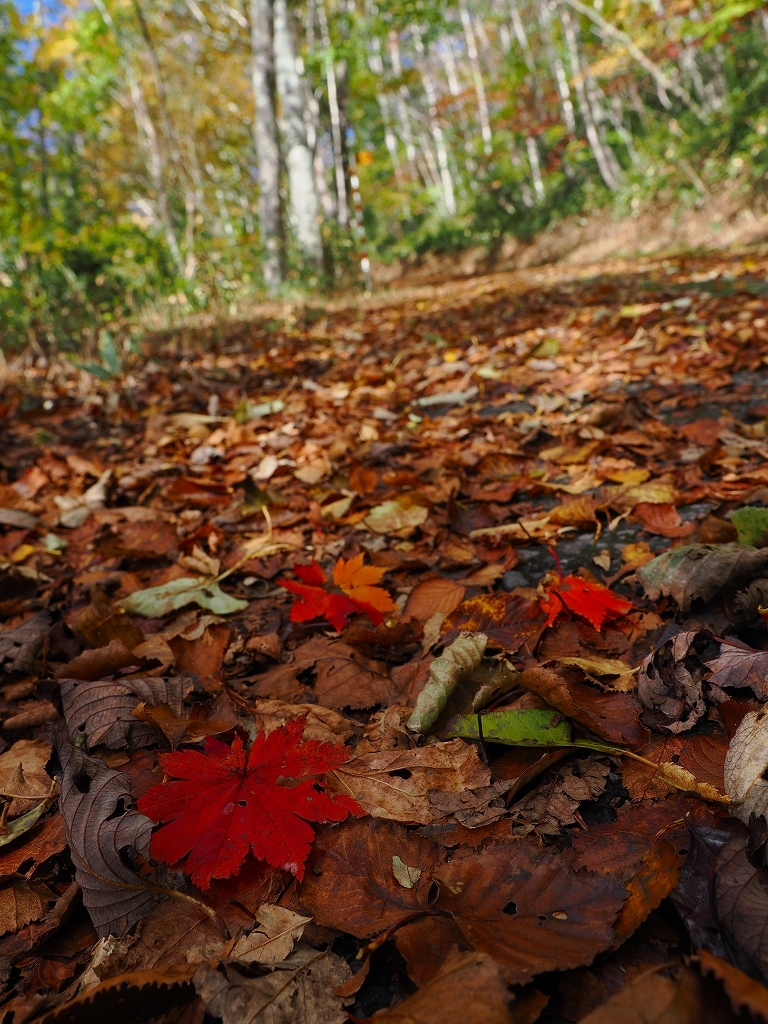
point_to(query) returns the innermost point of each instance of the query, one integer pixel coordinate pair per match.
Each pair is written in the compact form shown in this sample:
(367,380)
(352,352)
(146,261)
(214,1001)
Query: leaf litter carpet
(405,662)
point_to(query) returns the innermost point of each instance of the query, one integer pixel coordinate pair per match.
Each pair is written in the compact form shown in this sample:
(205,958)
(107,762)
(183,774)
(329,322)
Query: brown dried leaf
(744,992)
(20,647)
(102,712)
(745,767)
(401,785)
(741,901)
(528,907)
(468,989)
(437,596)
(349,882)
(700,571)
(202,658)
(102,621)
(98,663)
(552,805)
(192,725)
(302,984)
(613,716)
(278,932)
(740,666)
(20,903)
(104,834)
(654,999)
(508,620)
(669,683)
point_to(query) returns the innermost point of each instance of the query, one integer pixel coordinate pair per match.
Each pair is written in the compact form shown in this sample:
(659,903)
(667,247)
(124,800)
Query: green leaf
(751,524)
(154,602)
(95,370)
(109,354)
(529,727)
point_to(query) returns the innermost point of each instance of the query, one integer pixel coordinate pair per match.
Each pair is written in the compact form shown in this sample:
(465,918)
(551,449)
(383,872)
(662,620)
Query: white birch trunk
(303,210)
(267,143)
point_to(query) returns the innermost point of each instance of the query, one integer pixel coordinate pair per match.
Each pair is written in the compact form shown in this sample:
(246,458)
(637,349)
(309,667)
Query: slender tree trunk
(342,203)
(477,77)
(446,179)
(267,143)
(545,21)
(304,212)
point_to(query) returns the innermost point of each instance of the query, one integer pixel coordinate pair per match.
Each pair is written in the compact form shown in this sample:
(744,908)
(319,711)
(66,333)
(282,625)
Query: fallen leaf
(400,516)
(221,803)
(101,713)
(740,666)
(751,524)
(508,620)
(613,716)
(700,571)
(741,901)
(278,931)
(663,520)
(350,885)
(669,683)
(202,657)
(517,726)
(745,767)
(306,979)
(355,592)
(21,903)
(189,726)
(590,601)
(438,596)
(456,661)
(400,785)
(468,989)
(654,999)
(528,908)
(20,646)
(744,992)
(155,602)
(406,876)
(104,834)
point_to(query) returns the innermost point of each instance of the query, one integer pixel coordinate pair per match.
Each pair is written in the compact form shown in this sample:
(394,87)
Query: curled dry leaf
(654,998)
(745,766)
(456,661)
(322,723)
(22,774)
(669,684)
(102,712)
(551,806)
(401,785)
(307,979)
(744,992)
(105,834)
(700,571)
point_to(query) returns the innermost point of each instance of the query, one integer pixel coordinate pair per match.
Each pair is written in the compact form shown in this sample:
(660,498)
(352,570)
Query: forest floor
(498,547)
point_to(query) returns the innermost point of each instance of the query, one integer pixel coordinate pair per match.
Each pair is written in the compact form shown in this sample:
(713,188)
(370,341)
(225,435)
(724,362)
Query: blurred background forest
(198,154)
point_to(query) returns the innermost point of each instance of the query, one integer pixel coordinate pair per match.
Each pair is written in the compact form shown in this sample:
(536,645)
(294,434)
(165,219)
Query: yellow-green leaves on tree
(463,655)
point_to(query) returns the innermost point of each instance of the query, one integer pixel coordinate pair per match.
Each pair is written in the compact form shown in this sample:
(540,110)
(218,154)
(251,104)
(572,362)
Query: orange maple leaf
(351,589)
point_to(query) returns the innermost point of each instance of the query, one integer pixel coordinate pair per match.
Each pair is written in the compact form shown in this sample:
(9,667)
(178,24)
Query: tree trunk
(304,207)
(267,143)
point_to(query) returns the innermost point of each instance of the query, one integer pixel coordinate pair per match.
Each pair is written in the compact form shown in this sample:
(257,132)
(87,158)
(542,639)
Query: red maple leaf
(591,601)
(350,590)
(221,802)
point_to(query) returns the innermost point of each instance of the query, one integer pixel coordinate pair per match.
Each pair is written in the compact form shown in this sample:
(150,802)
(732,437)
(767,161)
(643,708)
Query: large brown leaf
(741,901)
(350,883)
(738,666)
(468,990)
(106,837)
(423,785)
(343,678)
(102,712)
(613,716)
(528,907)
(508,620)
(655,999)
(700,571)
